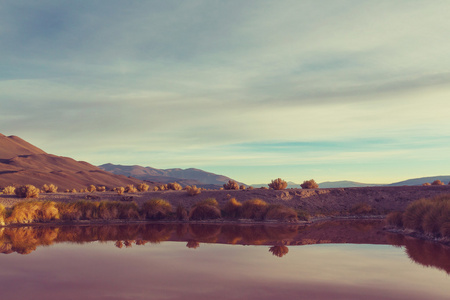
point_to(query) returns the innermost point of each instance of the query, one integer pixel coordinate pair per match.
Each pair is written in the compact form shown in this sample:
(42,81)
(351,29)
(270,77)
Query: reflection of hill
(426,253)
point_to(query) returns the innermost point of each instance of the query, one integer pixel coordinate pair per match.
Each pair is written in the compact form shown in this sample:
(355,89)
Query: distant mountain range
(23,163)
(182,176)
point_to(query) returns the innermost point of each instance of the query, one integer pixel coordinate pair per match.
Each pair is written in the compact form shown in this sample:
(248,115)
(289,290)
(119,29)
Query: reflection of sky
(179,84)
(171,271)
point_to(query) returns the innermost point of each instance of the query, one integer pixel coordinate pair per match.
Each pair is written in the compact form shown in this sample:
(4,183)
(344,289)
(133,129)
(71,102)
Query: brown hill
(23,163)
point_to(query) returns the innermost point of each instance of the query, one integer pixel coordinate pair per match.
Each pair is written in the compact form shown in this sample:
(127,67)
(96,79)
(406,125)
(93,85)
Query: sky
(254,90)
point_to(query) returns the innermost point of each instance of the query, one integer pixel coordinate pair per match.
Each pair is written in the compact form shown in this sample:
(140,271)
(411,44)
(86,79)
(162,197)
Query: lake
(328,260)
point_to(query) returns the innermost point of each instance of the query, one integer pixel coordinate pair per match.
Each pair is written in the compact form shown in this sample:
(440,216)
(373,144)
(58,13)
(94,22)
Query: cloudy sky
(255,90)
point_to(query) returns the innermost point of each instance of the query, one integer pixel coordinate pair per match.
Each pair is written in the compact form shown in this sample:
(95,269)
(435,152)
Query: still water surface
(220,262)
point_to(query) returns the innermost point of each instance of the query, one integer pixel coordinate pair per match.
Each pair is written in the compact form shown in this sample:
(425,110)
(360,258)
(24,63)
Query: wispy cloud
(108,81)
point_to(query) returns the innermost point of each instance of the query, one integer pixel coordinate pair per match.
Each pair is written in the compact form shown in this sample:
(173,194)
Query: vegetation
(427,184)
(130,189)
(437,182)
(232,209)
(27,191)
(174,186)
(142,187)
(193,190)
(205,210)
(119,190)
(279,212)
(101,188)
(231,185)
(90,189)
(429,216)
(361,209)
(9,190)
(278,184)
(309,184)
(254,209)
(156,209)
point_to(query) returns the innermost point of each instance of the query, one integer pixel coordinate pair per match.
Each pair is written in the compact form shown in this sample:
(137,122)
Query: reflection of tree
(193,244)
(205,232)
(119,244)
(279,250)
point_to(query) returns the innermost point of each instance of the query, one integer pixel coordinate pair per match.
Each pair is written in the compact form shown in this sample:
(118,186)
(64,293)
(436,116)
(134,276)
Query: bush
(33,211)
(156,209)
(426,184)
(231,185)
(361,209)
(101,188)
(130,189)
(209,201)
(2,214)
(309,184)
(414,214)
(395,219)
(119,190)
(437,182)
(204,211)
(232,209)
(278,184)
(242,187)
(193,190)
(91,188)
(9,190)
(254,209)
(174,186)
(143,187)
(51,188)
(181,213)
(27,191)
(281,213)
(111,210)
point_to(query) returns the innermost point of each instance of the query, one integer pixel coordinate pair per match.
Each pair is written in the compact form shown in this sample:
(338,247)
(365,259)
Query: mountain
(182,176)
(344,183)
(24,163)
(419,181)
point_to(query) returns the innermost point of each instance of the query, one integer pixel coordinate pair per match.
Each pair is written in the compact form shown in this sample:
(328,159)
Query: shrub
(414,213)
(278,184)
(101,188)
(110,210)
(426,184)
(143,187)
(281,213)
(250,188)
(254,209)
(233,209)
(119,190)
(242,187)
(361,209)
(156,209)
(91,188)
(33,211)
(9,190)
(174,186)
(395,219)
(181,213)
(27,191)
(309,184)
(155,188)
(163,187)
(51,188)
(88,210)
(130,189)
(2,214)
(231,185)
(437,182)
(204,211)
(193,190)
(209,201)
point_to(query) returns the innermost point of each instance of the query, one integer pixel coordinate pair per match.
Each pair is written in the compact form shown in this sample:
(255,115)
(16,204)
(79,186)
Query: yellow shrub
(278,184)
(27,191)
(101,188)
(231,185)
(33,211)
(50,188)
(174,186)
(9,190)
(143,187)
(130,189)
(156,209)
(232,208)
(254,209)
(309,184)
(193,190)
(91,188)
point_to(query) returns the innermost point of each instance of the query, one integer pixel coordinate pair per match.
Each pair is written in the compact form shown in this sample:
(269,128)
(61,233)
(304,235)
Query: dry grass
(232,209)
(49,188)
(143,187)
(437,182)
(309,184)
(361,209)
(174,186)
(9,190)
(33,211)
(231,185)
(156,209)
(204,211)
(193,190)
(281,213)
(395,219)
(130,189)
(254,209)
(278,184)
(27,191)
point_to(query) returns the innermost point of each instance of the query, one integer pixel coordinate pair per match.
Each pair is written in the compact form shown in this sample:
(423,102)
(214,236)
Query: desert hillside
(24,163)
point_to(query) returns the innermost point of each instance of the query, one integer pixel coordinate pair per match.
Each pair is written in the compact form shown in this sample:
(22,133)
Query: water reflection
(24,240)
